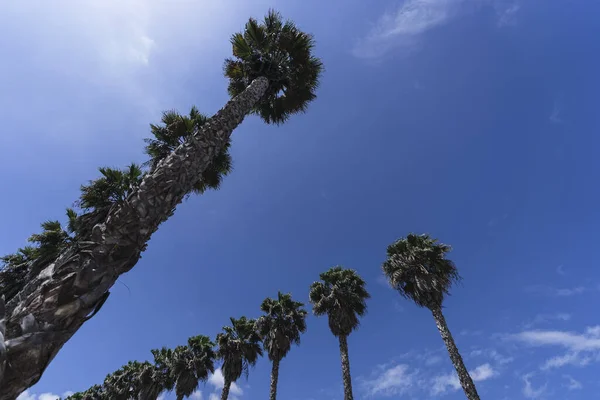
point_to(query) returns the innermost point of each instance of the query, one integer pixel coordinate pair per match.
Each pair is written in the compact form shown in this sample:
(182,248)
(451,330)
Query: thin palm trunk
(463,375)
(44,315)
(274,379)
(225,392)
(346,368)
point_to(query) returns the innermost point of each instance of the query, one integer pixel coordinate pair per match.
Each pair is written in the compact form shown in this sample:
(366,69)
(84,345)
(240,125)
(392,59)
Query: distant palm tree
(191,364)
(279,328)
(417,268)
(341,295)
(123,384)
(239,348)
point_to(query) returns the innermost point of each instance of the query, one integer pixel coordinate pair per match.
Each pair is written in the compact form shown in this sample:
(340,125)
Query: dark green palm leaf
(283,54)
(175,130)
(417,268)
(239,348)
(341,295)
(281,326)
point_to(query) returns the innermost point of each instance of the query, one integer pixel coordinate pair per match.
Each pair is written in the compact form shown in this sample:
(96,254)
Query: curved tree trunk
(346,368)
(55,304)
(225,392)
(274,379)
(463,375)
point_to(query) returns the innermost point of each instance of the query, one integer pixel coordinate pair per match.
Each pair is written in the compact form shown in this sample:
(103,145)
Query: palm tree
(279,328)
(180,369)
(272,74)
(173,132)
(417,268)
(191,365)
(341,295)
(123,384)
(239,348)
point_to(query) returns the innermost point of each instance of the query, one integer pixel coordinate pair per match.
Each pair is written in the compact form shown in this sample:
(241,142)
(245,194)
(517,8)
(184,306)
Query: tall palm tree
(272,74)
(239,348)
(279,328)
(417,268)
(342,296)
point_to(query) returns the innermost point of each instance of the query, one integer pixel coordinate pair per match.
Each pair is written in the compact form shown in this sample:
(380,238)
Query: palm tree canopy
(417,268)
(238,347)
(192,364)
(112,187)
(341,294)
(282,324)
(124,384)
(282,53)
(176,129)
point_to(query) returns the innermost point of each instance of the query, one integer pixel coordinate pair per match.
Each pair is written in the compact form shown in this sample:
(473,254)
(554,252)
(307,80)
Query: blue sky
(473,120)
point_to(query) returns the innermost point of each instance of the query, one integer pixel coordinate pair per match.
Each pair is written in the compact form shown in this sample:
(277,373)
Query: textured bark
(225,392)
(463,375)
(274,379)
(44,315)
(346,368)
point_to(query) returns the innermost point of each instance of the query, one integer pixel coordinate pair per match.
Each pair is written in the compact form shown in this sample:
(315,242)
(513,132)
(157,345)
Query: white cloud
(26,395)
(572,384)
(390,381)
(443,383)
(218,381)
(544,318)
(529,391)
(506,11)
(581,348)
(402,26)
(213,396)
(555,292)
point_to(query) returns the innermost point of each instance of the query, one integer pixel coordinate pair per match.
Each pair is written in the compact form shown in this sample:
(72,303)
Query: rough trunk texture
(225,392)
(463,375)
(274,379)
(346,368)
(54,305)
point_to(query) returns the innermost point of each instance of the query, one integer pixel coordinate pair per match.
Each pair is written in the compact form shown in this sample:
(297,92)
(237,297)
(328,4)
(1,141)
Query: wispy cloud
(557,292)
(390,381)
(582,348)
(544,318)
(444,383)
(572,384)
(507,12)
(492,354)
(529,391)
(555,116)
(403,26)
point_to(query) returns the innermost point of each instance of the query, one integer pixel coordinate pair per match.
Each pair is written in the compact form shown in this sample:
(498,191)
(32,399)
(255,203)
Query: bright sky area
(473,120)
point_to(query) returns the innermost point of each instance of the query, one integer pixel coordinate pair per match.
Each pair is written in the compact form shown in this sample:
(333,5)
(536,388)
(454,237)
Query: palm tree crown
(417,268)
(281,326)
(341,295)
(192,364)
(173,131)
(282,53)
(238,347)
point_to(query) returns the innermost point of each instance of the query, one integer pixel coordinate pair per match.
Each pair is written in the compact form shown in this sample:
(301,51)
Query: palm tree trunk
(463,375)
(274,379)
(44,315)
(225,392)
(346,368)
